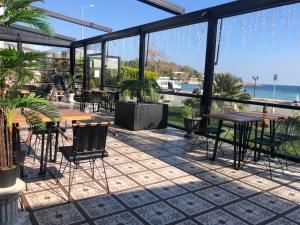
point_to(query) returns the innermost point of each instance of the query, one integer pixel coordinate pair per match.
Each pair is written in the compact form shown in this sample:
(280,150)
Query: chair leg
(105,175)
(269,165)
(57,180)
(194,143)
(71,177)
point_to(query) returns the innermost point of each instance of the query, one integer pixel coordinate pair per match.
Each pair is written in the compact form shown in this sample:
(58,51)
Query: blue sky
(259,44)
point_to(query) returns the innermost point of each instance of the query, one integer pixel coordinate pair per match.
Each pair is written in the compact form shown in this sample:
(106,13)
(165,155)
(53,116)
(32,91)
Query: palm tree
(21,11)
(227,85)
(20,64)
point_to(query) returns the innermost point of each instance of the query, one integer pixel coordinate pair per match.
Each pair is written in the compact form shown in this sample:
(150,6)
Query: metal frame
(165,5)
(74,20)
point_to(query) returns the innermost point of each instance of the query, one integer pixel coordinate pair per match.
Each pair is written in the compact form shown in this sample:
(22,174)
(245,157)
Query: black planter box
(143,116)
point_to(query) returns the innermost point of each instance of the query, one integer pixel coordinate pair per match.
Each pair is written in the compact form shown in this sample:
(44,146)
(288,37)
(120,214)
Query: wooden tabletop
(64,115)
(233,117)
(265,116)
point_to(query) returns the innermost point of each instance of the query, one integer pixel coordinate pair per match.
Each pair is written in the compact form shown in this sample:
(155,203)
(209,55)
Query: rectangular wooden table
(64,116)
(243,122)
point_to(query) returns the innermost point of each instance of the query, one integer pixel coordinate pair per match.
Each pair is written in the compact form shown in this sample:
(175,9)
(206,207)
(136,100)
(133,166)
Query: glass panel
(122,59)
(94,49)
(94,63)
(5,44)
(56,61)
(178,56)
(79,58)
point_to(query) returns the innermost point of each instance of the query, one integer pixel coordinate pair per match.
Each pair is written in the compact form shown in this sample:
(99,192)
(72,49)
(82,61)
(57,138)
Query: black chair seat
(285,137)
(69,153)
(270,142)
(208,130)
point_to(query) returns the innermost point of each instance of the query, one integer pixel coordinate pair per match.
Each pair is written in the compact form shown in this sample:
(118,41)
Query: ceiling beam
(221,11)
(165,5)
(18,33)
(74,20)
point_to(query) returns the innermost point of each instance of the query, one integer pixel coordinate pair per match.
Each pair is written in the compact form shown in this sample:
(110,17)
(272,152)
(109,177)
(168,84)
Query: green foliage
(188,112)
(227,85)
(147,89)
(131,73)
(194,102)
(17,65)
(20,11)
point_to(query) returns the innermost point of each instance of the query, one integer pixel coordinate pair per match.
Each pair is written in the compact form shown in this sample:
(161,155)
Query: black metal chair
(269,145)
(206,134)
(89,140)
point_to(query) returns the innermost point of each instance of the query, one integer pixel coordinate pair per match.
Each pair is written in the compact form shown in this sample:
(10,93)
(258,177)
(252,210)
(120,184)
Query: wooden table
(243,122)
(64,116)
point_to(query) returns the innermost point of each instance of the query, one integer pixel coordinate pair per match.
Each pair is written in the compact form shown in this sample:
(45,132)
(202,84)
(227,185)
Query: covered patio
(147,176)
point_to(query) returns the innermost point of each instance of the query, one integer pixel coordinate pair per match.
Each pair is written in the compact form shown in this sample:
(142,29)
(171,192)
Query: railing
(176,103)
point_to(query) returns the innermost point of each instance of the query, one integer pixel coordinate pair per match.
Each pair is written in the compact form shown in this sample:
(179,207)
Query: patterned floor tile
(259,182)
(125,218)
(159,213)
(281,221)
(39,184)
(272,202)
(295,215)
(250,212)
(240,188)
(171,172)
(46,198)
(120,183)
(166,189)
(214,177)
(86,190)
(186,222)
(131,167)
(217,195)
(210,164)
(147,177)
(159,153)
(192,167)
(295,185)
(100,173)
(176,150)
(288,193)
(100,206)
(190,204)
(79,177)
(136,197)
(191,183)
(116,144)
(219,217)
(63,214)
(127,150)
(233,173)
(153,163)
(139,156)
(174,160)
(117,159)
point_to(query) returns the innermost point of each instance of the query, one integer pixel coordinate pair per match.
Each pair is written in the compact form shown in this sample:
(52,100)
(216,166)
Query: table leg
(234,145)
(42,155)
(272,134)
(217,140)
(241,132)
(255,146)
(56,143)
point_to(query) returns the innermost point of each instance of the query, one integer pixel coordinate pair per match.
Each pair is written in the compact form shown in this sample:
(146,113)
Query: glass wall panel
(79,59)
(6,44)
(122,59)
(94,66)
(56,61)
(178,57)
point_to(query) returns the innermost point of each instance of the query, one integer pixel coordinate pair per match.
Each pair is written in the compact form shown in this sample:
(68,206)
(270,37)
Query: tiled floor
(153,179)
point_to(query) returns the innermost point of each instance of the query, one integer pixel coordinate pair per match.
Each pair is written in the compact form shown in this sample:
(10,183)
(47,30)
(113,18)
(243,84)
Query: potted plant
(145,112)
(188,114)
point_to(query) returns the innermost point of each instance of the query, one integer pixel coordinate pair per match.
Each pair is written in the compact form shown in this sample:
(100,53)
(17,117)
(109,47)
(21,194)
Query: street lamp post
(82,8)
(255,78)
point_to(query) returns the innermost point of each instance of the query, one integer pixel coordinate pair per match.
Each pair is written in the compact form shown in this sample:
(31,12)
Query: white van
(169,85)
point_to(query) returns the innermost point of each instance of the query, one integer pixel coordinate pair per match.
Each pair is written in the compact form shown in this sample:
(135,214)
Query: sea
(282,92)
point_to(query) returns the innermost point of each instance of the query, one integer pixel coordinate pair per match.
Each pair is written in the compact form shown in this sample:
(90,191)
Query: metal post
(103,66)
(141,61)
(142,56)
(85,75)
(72,64)
(209,69)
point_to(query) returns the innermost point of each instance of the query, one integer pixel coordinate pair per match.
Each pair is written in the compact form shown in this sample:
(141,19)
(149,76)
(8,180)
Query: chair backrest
(89,138)
(282,126)
(294,129)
